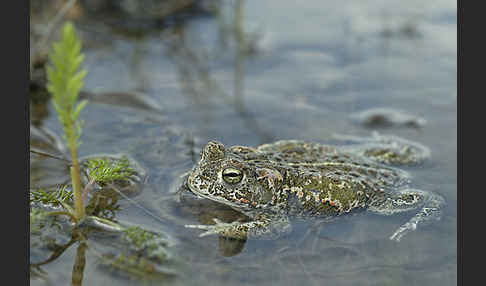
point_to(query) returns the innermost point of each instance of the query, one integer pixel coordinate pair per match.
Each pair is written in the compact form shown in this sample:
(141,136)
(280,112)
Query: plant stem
(76,180)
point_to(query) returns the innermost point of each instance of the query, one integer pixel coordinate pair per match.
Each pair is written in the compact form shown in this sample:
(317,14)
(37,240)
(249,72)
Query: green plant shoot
(103,170)
(65,80)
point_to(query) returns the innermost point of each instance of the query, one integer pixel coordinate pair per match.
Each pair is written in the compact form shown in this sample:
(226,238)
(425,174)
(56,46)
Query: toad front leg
(263,226)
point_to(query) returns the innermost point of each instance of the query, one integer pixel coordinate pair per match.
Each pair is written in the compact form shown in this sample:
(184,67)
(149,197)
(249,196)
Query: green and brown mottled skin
(293,178)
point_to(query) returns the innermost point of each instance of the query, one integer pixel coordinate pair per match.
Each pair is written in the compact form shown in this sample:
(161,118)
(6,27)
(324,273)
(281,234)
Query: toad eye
(232,176)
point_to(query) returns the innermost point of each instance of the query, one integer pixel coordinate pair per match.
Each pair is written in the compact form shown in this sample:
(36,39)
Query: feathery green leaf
(65,81)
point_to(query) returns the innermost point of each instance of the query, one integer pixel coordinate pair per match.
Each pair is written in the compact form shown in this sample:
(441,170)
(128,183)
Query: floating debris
(387,117)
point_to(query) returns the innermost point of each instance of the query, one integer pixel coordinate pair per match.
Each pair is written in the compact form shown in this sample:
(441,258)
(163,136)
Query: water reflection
(79,264)
(205,211)
(132,252)
(194,72)
(230,247)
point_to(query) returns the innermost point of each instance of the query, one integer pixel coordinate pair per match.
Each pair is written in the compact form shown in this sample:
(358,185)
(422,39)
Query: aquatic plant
(141,255)
(37,217)
(65,80)
(57,198)
(143,241)
(104,170)
(144,251)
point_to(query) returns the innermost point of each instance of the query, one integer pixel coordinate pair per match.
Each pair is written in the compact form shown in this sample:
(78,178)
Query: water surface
(268,70)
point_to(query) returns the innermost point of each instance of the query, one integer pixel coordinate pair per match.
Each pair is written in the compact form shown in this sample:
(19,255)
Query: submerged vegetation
(142,252)
(146,242)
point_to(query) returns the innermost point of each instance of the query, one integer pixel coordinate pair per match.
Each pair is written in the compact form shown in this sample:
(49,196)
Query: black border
(15,188)
(470,116)
(460,188)
(24,95)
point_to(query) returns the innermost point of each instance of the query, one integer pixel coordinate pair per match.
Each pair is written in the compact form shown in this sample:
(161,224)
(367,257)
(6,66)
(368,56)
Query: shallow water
(304,70)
